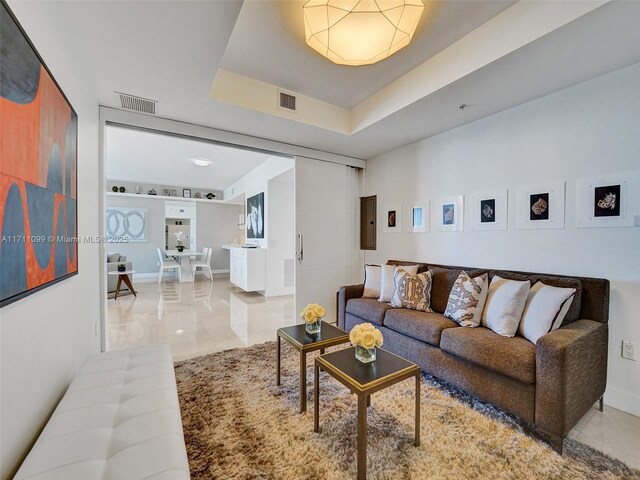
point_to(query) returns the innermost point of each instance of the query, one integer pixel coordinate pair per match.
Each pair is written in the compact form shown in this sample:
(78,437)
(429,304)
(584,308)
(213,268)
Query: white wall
(46,337)
(281,252)
(216,224)
(586,130)
(257,181)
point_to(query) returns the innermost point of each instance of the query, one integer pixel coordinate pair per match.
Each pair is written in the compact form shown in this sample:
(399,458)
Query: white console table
(247,267)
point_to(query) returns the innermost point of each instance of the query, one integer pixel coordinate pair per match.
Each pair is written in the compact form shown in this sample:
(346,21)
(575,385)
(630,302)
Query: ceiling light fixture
(360,32)
(201,162)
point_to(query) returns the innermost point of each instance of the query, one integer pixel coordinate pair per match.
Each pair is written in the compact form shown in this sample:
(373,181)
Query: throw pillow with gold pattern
(411,291)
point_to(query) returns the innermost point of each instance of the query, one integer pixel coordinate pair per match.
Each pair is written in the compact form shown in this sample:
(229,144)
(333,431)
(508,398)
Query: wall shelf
(164,197)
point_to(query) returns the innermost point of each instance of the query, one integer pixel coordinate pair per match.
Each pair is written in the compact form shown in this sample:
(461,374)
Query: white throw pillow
(372,278)
(544,311)
(467,298)
(386,284)
(504,306)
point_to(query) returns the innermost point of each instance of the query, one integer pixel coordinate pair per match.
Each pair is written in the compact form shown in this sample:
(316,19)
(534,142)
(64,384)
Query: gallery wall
(590,129)
(45,337)
(216,225)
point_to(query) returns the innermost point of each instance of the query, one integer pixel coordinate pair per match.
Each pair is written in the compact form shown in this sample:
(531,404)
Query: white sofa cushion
(372,279)
(119,420)
(386,282)
(504,306)
(544,311)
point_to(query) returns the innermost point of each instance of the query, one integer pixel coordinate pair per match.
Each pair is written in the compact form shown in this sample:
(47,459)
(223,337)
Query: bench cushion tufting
(119,420)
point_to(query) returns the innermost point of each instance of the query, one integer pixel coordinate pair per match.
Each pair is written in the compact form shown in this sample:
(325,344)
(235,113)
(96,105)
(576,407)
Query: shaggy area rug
(239,425)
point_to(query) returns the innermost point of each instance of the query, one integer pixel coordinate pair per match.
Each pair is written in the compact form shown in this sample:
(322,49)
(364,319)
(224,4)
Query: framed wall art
(488,210)
(541,206)
(38,172)
(418,217)
(447,214)
(255,216)
(124,224)
(392,221)
(604,201)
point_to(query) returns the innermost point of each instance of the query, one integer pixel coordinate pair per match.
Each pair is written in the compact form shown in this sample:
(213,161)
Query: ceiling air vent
(137,104)
(287,101)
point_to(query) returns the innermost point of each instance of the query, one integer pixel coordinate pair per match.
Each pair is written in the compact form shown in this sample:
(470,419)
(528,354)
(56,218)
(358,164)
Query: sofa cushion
(545,310)
(514,357)
(387,285)
(424,326)
(411,291)
(443,281)
(369,309)
(372,281)
(573,313)
(504,306)
(113,257)
(467,299)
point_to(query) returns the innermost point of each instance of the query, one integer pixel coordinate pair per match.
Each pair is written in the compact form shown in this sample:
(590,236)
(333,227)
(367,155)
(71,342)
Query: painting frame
(489,210)
(447,214)
(392,218)
(255,224)
(39,182)
(587,199)
(418,217)
(553,202)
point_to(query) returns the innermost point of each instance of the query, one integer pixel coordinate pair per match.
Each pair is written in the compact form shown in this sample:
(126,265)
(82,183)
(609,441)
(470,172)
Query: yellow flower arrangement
(366,335)
(312,313)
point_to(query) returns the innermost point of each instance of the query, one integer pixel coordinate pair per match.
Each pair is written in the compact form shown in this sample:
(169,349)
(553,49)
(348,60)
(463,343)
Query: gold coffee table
(364,379)
(303,342)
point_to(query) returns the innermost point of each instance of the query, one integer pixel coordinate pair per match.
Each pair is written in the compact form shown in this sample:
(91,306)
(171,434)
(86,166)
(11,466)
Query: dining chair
(204,264)
(167,264)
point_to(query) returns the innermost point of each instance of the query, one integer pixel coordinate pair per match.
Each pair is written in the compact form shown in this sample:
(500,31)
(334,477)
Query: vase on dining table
(180,248)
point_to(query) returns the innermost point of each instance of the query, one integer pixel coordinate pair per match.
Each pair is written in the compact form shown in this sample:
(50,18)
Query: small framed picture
(448,214)
(603,201)
(392,223)
(186,192)
(488,210)
(541,206)
(418,217)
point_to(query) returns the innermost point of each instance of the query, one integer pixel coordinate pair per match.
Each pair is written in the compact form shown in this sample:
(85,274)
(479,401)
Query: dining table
(186,275)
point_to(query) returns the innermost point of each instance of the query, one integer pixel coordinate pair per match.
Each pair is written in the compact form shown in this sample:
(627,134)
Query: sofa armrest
(571,374)
(344,295)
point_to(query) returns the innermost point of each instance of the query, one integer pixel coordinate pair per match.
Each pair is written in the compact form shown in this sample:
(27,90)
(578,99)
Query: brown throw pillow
(411,291)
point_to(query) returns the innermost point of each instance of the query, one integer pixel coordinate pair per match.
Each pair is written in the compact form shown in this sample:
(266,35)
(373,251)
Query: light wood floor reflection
(196,318)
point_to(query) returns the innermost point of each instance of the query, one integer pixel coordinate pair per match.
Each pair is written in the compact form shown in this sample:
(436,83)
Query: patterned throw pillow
(467,298)
(411,291)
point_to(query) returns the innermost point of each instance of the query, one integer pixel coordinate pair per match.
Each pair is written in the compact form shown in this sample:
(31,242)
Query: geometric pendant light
(360,32)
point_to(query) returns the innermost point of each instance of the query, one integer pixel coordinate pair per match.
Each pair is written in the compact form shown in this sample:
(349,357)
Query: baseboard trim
(625,401)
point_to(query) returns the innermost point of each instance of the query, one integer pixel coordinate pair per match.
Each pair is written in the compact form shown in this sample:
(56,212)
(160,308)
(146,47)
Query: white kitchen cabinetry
(248,268)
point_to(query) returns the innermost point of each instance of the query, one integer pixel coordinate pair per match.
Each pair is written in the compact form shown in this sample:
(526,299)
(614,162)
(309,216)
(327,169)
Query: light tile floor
(204,317)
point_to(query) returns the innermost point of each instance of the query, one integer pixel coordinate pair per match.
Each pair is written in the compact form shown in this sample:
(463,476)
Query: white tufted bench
(119,420)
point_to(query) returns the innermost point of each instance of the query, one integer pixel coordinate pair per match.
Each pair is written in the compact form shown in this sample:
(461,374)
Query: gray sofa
(551,384)
(113,260)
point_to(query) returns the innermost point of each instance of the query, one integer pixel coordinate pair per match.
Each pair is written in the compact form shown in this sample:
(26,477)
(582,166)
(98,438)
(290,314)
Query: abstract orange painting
(38,177)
